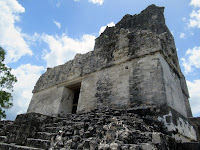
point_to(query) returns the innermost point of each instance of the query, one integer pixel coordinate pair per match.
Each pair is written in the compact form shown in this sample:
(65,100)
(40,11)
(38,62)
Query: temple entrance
(76,89)
(75,101)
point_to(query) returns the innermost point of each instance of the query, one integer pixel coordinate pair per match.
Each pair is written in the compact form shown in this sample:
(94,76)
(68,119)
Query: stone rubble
(106,129)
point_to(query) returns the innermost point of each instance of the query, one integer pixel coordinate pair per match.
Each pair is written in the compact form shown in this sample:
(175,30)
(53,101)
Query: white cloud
(195,3)
(31,39)
(104,27)
(99,2)
(57,24)
(194,90)
(63,48)
(194,19)
(11,38)
(186,66)
(195,15)
(182,36)
(27,75)
(192,59)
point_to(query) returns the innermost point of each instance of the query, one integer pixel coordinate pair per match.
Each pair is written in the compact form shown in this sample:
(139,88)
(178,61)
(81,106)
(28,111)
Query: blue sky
(39,34)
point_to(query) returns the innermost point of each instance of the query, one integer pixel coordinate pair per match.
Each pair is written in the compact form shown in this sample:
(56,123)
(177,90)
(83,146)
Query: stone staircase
(104,130)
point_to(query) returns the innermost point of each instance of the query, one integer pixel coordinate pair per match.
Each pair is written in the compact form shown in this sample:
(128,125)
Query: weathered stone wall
(47,101)
(175,96)
(146,82)
(108,87)
(53,101)
(66,102)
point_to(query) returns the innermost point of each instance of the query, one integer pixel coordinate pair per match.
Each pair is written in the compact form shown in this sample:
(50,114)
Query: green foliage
(6,85)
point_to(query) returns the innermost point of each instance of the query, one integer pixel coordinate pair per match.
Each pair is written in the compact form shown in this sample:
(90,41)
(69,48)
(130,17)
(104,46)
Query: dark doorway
(75,101)
(76,88)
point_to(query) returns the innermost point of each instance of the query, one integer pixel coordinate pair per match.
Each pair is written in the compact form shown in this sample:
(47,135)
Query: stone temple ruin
(134,63)
(129,93)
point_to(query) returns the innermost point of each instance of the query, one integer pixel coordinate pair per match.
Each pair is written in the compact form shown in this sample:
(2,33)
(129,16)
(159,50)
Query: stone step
(2,138)
(146,146)
(5,146)
(53,125)
(142,146)
(44,135)
(5,123)
(58,124)
(52,129)
(61,119)
(38,143)
(158,138)
(2,133)
(66,122)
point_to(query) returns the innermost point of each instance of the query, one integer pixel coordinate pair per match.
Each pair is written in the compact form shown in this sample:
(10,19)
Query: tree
(6,85)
